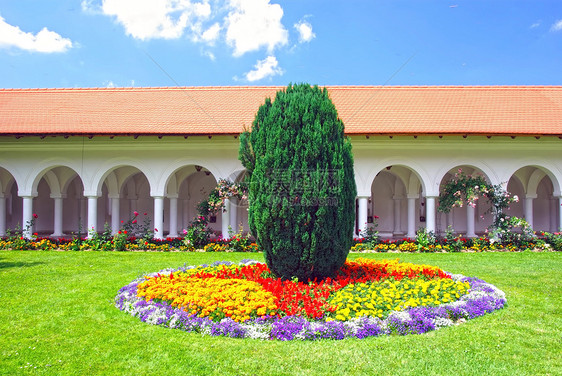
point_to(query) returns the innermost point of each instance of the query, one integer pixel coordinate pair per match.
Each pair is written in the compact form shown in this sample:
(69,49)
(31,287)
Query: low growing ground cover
(57,314)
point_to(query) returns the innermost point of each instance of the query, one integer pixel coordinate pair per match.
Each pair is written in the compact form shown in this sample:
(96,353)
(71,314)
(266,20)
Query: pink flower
(155,230)
(134,221)
(136,213)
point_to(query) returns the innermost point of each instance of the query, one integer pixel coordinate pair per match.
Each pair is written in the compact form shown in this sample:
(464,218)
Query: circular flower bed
(366,298)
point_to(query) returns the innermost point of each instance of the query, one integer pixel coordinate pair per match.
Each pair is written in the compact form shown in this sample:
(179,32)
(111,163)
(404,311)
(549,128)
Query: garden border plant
(482,298)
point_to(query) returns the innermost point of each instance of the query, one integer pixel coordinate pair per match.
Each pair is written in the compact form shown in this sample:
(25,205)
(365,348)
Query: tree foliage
(302,187)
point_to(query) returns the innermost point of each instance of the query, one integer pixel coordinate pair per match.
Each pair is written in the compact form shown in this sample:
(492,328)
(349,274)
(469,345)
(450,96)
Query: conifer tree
(302,186)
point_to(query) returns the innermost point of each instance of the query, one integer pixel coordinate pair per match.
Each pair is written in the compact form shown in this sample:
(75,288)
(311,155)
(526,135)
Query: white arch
(173,167)
(534,181)
(364,179)
(552,171)
(93,185)
(28,187)
(489,172)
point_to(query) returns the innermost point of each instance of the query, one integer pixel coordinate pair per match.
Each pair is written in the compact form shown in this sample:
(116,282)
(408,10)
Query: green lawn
(57,317)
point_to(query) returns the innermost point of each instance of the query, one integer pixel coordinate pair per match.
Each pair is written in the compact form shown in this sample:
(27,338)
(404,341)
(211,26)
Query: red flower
(144,213)
(135,221)
(136,213)
(35,216)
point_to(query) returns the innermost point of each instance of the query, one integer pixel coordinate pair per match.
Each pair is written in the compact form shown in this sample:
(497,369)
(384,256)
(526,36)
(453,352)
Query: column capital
(431,195)
(414,196)
(57,195)
(114,196)
(172,196)
(530,196)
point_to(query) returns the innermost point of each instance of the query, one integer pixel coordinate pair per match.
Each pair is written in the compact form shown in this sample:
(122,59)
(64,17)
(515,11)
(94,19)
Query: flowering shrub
(244,301)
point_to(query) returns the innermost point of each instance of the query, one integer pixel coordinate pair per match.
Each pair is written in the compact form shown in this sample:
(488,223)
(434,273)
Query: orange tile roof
(491,110)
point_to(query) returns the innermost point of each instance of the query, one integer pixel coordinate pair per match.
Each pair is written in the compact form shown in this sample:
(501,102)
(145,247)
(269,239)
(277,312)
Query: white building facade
(80,178)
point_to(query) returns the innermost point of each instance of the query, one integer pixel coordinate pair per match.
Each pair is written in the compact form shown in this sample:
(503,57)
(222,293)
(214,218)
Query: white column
(412,216)
(2,215)
(560,213)
(57,220)
(397,215)
(225,219)
(450,219)
(115,216)
(470,222)
(430,213)
(234,214)
(92,215)
(27,216)
(173,216)
(355,234)
(158,217)
(185,213)
(529,209)
(552,215)
(362,213)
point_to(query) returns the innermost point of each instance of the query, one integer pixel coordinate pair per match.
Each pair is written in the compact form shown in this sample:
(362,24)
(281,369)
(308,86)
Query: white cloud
(44,41)
(557,26)
(253,24)
(149,19)
(305,31)
(209,54)
(535,25)
(267,67)
(211,34)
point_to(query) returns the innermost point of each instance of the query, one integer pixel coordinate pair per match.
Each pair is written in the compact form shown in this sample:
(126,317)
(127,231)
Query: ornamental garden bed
(365,298)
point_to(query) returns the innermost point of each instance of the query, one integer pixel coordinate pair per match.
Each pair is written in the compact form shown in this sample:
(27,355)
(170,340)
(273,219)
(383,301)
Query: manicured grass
(57,314)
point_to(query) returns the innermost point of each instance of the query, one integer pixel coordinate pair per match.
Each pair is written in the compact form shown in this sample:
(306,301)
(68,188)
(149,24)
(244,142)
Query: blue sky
(106,43)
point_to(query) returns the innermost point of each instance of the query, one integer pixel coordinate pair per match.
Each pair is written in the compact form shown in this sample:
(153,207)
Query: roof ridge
(259,87)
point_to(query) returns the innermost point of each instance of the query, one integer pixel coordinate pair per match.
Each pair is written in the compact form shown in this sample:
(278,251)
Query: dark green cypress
(302,186)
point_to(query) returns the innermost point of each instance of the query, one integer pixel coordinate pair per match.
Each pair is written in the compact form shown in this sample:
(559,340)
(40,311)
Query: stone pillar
(362,213)
(470,222)
(158,217)
(27,216)
(560,213)
(412,216)
(529,209)
(92,215)
(115,215)
(225,219)
(2,215)
(450,219)
(430,213)
(234,214)
(57,220)
(185,213)
(397,215)
(173,216)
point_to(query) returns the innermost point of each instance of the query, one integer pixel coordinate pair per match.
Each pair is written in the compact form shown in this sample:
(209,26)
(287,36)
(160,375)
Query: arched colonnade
(69,198)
